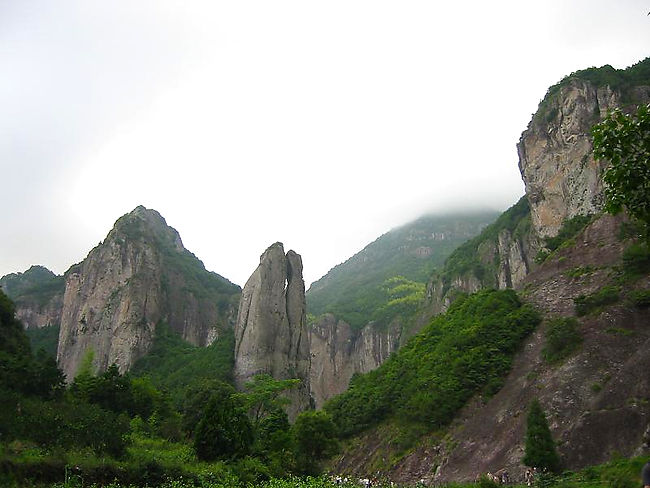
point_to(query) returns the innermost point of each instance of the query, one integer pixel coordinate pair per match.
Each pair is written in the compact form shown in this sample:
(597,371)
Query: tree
(224,430)
(315,435)
(624,141)
(264,395)
(540,448)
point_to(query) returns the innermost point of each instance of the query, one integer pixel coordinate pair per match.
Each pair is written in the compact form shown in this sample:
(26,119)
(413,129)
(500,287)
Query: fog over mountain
(322,126)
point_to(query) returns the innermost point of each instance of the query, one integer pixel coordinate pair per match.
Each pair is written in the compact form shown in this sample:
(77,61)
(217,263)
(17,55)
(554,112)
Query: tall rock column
(271,331)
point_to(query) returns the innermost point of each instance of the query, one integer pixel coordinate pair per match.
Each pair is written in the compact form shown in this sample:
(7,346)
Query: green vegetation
(171,361)
(594,302)
(624,142)
(113,428)
(563,338)
(636,260)
(540,449)
(355,291)
(45,338)
(37,285)
(640,298)
(478,256)
(467,350)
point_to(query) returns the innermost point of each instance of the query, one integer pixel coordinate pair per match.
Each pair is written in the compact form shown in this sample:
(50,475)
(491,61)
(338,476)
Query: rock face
(555,153)
(338,352)
(38,295)
(271,333)
(139,276)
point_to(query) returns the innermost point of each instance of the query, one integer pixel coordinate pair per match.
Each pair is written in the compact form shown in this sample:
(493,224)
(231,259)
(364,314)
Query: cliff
(339,351)
(561,177)
(137,277)
(271,333)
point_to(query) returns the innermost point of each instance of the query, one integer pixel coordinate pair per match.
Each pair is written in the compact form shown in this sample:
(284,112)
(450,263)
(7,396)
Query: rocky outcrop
(338,352)
(138,277)
(555,152)
(271,331)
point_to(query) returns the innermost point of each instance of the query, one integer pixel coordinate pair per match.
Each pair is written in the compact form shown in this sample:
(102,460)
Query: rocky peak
(271,332)
(139,276)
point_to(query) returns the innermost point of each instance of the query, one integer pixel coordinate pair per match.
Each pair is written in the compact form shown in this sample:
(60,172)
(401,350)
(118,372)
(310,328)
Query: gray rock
(271,334)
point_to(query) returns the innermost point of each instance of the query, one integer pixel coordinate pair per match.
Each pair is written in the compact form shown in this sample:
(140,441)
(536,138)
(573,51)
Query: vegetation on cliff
(474,256)
(465,351)
(622,80)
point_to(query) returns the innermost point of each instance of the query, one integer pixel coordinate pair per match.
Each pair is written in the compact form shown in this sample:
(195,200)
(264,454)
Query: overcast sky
(318,124)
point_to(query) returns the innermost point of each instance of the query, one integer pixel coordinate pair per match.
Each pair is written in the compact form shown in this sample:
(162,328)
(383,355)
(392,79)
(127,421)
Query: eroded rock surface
(338,352)
(271,331)
(139,276)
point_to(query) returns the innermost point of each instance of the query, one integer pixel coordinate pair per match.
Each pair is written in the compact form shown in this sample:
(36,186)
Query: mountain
(588,277)
(37,294)
(353,291)
(140,276)
(363,309)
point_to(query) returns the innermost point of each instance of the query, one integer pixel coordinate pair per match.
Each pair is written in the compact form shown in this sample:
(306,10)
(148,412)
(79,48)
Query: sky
(318,124)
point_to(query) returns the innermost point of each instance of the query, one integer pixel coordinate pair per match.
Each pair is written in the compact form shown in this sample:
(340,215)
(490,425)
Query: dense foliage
(624,142)
(354,291)
(173,363)
(467,258)
(37,285)
(467,350)
(540,451)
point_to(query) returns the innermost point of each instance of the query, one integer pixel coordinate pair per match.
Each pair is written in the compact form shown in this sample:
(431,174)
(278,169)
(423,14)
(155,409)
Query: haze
(318,124)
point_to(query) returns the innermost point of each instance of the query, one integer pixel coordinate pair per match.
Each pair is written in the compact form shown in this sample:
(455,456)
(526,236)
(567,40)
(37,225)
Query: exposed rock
(338,352)
(555,153)
(139,276)
(271,331)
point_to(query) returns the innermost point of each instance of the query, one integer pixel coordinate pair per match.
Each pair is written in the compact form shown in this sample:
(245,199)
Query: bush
(562,339)
(585,304)
(640,298)
(636,259)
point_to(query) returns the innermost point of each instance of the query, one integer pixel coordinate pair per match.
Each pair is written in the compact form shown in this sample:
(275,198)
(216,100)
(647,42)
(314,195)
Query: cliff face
(271,333)
(555,152)
(140,275)
(339,351)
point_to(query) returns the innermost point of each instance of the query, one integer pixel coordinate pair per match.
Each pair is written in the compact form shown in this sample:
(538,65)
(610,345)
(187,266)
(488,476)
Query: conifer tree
(540,448)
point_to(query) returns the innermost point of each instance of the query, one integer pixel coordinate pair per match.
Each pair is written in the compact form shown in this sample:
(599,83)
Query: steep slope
(352,291)
(596,395)
(139,276)
(37,294)
(357,323)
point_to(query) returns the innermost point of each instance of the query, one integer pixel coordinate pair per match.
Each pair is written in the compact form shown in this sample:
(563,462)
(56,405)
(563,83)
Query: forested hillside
(357,290)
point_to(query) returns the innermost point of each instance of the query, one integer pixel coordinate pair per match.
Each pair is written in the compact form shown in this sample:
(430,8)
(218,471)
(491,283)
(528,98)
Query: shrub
(636,259)
(640,298)
(585,304)
(562,339)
